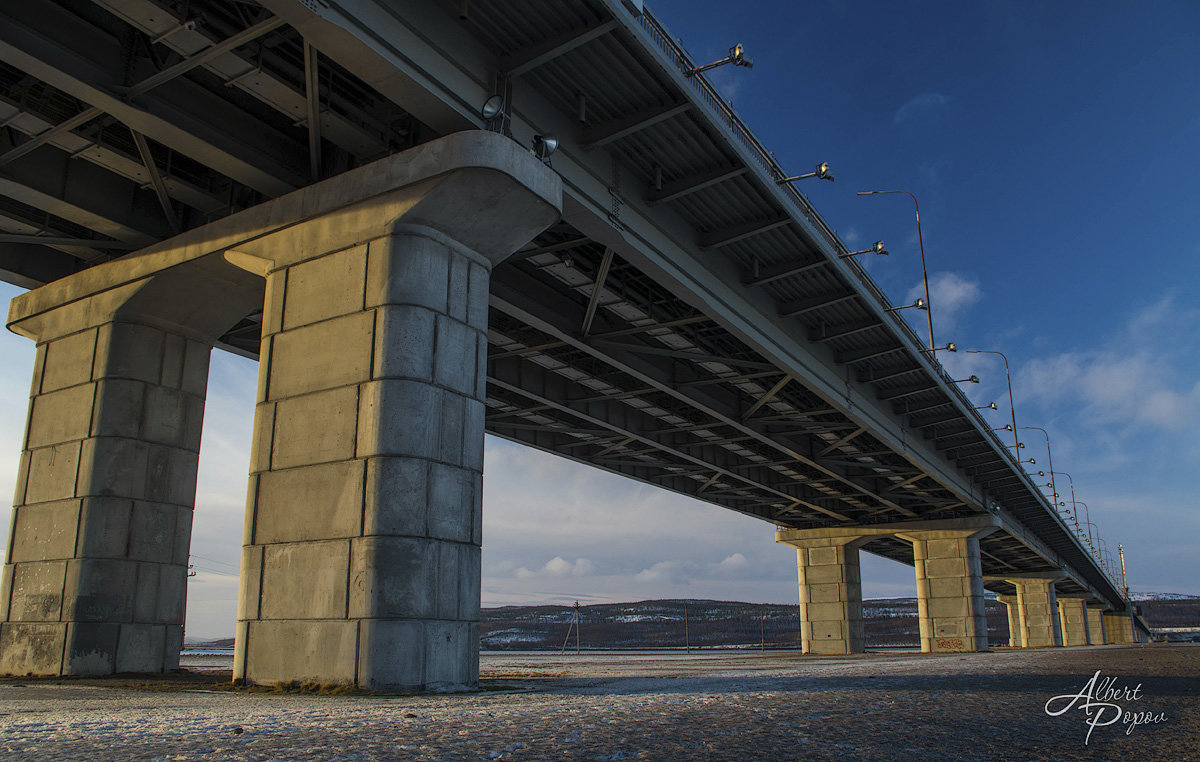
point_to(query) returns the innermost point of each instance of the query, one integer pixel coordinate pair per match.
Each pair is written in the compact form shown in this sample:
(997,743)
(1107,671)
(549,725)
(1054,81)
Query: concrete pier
(1073,619)
(1118,627)
(1012,609)
(949,583)
(362,535)
(1038,607)
(1095,617)
(830,595)
(94,581)
(950,599)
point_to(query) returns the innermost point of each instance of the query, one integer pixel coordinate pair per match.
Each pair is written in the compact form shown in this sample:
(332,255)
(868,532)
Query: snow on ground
(638,706)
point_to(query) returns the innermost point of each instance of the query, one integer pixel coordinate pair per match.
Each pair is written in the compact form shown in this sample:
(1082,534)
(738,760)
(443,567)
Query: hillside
(710,624)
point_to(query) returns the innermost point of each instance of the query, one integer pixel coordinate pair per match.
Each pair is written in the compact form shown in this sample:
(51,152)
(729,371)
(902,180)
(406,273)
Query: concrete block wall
(1095,617)
(1014,620)
(830,595)
(950,597)
(1038,605)
(1118,627)
(1073,620)
(96,566)
(364,521)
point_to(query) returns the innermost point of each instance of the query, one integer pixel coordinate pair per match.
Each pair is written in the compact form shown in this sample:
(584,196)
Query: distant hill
(710,624)
(887,622)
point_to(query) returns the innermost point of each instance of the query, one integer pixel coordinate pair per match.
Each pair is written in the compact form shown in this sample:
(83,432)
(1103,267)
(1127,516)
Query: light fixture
(492,107)
(493,114)
(918,304)
(1005,427)
(948,348)
(543,146)
(821,173)
(876,248)
(1031,460)
(967,380)
(992,406)
(737,57)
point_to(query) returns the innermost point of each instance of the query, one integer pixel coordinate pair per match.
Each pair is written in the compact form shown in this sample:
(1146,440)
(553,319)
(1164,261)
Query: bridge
(602,264)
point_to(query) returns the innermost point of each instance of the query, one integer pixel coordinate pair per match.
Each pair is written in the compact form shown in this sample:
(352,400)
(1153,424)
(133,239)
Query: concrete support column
(1014,619)
(1095,617)
(830,595)
(950,598)
(94,580)
(1073,619)
(1038,607)
(1118,627)
(361,560)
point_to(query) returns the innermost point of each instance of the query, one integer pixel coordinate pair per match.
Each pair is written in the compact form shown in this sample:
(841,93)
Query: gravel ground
(765,706)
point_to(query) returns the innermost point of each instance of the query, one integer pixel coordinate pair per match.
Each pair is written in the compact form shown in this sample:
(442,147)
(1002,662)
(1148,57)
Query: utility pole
(574,624)
(762,633)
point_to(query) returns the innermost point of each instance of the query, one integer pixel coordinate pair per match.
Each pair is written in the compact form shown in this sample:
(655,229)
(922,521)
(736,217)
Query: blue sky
(1053,148)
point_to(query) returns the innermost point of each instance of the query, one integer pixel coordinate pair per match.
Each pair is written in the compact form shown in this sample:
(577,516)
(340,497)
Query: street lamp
(1087,515)
(875,249)
(948,348)
(921,242)
(1049,459)
(821,173)
(736,57)
(967,380)
(918,304)
(1008,378)
(990,406)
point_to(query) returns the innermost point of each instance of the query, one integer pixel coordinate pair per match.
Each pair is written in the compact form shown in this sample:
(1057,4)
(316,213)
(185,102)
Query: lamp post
(1049,459)
(821,172)
(1008,378)
(1087,517)
(921,243)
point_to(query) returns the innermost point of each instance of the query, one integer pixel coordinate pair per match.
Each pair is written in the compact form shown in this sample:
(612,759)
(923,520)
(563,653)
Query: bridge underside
(685,322)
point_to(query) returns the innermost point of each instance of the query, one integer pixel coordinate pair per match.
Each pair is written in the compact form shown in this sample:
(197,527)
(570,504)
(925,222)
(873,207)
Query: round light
(492,107)
(736,53)
(878,247)
(974,379)
(951,348)
(992,406)
(545,145)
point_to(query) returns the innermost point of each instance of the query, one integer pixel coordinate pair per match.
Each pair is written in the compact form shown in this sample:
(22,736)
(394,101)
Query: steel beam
(779,272)
(717,238)
(803,306)
(685,186)
(76,69)
(603,134)
(516,64)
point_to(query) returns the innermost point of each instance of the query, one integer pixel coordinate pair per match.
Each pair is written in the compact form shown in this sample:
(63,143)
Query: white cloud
(950,296)
(734,563)
(558,567)
(918,106)
(674,572)
(1130,382)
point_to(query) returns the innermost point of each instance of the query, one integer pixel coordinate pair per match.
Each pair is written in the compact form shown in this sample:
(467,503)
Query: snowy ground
(641,706)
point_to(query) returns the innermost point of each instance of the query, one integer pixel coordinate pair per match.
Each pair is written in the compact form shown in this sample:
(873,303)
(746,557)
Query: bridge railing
(659,35)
